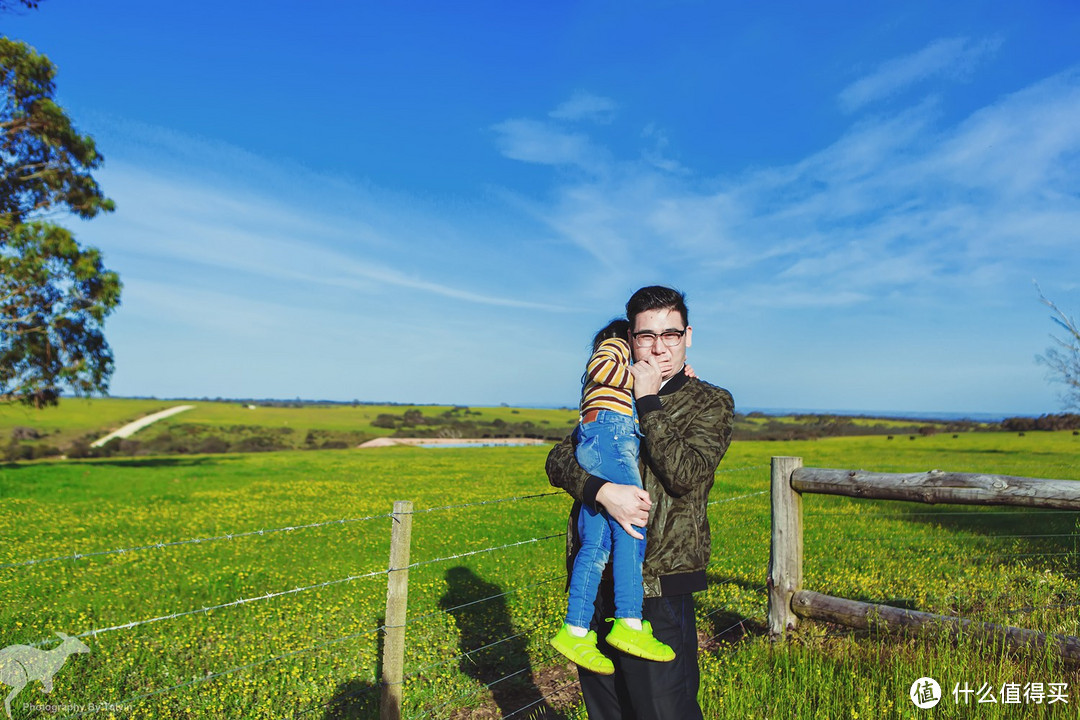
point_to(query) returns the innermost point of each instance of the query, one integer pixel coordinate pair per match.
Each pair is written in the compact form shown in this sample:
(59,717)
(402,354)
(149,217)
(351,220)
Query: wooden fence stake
(785,557)
(397,597)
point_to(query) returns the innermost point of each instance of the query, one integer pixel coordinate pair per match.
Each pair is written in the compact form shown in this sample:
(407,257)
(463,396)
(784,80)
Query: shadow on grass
(727,628)
(159,462)
(354,700)
(131,462)
(494,653)
(359,699)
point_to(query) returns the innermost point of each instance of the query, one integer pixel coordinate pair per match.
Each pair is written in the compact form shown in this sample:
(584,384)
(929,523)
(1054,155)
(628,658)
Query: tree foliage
(54,294)
(12,5)
(1063,357)
(54,297)
(45,162)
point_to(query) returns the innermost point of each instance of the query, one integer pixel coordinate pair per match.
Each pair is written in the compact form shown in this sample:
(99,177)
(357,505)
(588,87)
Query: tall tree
(44,162)
(54,294)
(1063,357)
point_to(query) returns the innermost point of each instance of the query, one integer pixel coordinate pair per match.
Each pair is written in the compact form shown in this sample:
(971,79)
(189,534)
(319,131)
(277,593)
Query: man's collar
(674,382)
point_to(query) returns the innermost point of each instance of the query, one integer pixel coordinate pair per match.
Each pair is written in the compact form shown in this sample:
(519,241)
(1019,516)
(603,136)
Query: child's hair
(617,328)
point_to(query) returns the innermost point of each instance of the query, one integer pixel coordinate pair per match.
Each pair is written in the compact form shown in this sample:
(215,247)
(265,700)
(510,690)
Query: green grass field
(304,641)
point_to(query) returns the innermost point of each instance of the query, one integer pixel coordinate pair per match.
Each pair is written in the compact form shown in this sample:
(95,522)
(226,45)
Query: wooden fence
(788,601)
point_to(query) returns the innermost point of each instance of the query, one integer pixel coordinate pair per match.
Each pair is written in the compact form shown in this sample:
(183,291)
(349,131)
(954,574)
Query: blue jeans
(607,448)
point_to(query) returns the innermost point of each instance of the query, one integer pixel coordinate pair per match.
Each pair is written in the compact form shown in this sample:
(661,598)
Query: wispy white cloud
(540,142)
(898,206)
(954,58)
(263,240)
(586,106)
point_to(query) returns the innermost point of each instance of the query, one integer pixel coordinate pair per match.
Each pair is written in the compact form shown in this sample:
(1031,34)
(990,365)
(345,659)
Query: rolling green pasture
(76,417)
(293,614)
(346,417)
(289,426)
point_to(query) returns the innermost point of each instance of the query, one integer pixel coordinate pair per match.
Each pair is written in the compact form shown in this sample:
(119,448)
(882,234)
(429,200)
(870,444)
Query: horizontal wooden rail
(940,487)
(869,616)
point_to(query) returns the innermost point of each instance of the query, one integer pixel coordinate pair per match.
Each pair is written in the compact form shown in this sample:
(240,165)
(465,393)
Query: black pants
(643,689)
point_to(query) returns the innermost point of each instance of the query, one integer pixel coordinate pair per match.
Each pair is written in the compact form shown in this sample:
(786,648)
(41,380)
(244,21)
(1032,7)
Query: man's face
(670,359)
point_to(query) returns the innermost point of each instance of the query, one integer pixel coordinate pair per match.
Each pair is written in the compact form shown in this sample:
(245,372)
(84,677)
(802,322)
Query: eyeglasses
(671,338)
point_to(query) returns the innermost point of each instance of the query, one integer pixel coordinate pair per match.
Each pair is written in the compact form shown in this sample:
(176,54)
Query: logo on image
(925,693)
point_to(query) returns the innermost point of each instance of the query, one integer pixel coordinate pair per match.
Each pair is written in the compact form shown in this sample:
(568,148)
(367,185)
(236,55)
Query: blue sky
(440,202)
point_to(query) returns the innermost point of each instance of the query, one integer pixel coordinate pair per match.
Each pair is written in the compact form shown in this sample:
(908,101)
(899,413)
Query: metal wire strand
(542,699)
(528,668)
(738,497)
(248,666)
(418,673)
(234,603)
(478,552)
(192,541)
(483,502)
(447,611)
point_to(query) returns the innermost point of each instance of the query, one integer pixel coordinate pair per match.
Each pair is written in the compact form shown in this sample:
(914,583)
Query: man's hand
(627,505)
(647,377)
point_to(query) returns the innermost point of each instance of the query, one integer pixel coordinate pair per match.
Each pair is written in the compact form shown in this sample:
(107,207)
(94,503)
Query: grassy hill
(257,426)
(252,426)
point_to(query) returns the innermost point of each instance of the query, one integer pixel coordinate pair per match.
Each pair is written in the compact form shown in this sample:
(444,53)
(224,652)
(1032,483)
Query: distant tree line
(461,422)
(1063,421)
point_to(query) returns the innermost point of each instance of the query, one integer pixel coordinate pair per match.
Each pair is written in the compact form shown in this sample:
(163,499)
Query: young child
(607,447)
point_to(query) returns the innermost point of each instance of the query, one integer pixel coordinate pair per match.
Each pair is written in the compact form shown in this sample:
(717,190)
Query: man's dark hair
(656,297)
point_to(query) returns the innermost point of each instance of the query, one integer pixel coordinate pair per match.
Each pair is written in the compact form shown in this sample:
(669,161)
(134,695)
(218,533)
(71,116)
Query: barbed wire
(481,600)
(892,540)
(974,512)
(248,666)
(192,541)
(488,686)
(484,502)
(541,699)
(467,653)
(293,591)
(252,533)
(1031,609)
(478,552)
(738,497)
(267,596)
(375,685)
(234,603)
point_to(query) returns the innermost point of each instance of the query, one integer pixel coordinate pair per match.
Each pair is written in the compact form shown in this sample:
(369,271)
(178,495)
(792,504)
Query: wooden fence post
(397,597)
(786,552)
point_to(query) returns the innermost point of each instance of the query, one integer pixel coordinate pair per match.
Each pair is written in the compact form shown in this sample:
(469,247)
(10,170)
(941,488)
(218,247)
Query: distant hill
(217,426)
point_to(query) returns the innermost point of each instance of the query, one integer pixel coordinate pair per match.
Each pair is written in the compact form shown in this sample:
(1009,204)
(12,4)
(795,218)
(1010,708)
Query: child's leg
(595,534)
(628,553)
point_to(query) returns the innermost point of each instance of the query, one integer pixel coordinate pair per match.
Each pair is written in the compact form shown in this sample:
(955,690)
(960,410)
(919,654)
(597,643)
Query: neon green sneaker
(639,643)
(582,650)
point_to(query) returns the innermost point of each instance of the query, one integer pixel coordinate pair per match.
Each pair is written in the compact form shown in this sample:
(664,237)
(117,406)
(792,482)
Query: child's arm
(610,364)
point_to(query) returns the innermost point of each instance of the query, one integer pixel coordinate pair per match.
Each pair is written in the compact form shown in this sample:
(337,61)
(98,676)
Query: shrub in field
(79,448)
(212,444)
(24,433)
(260,443)
(385,420)
(45,451)
(16,451)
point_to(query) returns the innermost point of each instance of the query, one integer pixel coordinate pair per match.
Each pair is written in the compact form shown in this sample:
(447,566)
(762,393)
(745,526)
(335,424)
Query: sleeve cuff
(592,486)
(647,404)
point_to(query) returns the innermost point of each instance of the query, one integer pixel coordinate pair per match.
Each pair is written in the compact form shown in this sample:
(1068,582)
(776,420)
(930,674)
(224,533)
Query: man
(686,428)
